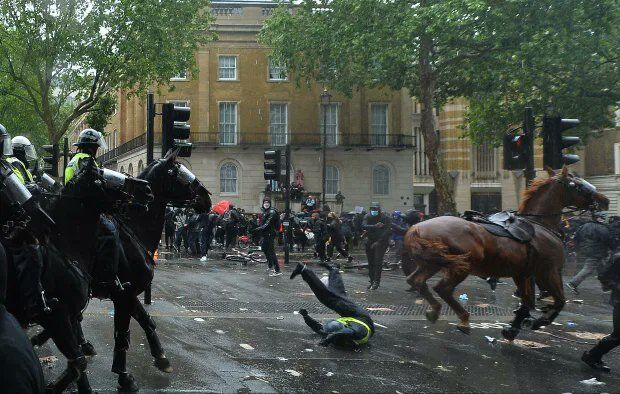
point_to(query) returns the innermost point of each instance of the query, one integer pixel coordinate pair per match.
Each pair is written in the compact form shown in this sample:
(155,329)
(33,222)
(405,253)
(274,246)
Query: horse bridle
(188,179)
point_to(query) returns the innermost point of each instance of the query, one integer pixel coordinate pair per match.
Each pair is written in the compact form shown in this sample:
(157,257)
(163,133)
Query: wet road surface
(228,328)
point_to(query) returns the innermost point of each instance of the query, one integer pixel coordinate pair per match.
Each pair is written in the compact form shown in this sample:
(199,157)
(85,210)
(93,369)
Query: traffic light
(554,142)
(273,165)
(515,152)
(51,161)
(174,129)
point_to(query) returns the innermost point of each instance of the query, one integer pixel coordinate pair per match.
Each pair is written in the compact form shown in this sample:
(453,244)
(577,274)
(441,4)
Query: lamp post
(325,100)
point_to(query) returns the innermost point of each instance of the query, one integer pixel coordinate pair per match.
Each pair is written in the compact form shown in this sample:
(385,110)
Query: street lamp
(325,100)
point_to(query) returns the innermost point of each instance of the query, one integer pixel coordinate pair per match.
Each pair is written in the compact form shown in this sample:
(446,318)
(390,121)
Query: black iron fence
(311,140)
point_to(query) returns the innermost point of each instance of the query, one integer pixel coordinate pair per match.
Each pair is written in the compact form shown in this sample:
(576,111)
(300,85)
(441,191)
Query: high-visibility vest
(20,170)
(73,165)
(347,320)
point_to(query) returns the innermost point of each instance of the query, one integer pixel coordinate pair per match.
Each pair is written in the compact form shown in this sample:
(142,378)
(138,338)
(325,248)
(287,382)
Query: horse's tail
(434,252)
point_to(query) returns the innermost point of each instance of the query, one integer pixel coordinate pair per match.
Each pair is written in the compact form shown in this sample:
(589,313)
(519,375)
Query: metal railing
(311,140)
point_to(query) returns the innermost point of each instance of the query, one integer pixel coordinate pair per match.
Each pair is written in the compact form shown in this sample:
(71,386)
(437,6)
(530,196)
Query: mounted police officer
(22,247)
(109,247)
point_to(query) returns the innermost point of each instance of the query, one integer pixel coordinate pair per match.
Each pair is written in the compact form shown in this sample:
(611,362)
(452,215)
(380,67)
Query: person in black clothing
(337,240)
(230,221)
(378,229)
(207,223)
(593,241)
(169,227)
(610,279)
(20,369)
(355,326)
(269,230)
(319,229)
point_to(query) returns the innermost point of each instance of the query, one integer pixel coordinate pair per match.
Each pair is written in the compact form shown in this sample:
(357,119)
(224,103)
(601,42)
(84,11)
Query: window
(277,72)
(122,169)
(228,178)
(130,169)
(484,160)
(228,123)
(278,123)
(420,161)
(182,76)
(332,180)
(329,112)
(228,68)
(378,124)
(380,180)
(140,167)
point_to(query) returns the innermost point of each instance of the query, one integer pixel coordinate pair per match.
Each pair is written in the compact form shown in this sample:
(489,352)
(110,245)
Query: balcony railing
(311,140)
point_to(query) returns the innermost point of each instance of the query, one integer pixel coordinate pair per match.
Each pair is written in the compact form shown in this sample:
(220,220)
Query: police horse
(525,245)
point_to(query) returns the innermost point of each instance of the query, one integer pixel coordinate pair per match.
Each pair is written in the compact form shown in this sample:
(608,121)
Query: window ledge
(227,80)
(179,80)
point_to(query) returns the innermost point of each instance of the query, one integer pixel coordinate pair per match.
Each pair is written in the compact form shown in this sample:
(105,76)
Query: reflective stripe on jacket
(347,320)
(20,170)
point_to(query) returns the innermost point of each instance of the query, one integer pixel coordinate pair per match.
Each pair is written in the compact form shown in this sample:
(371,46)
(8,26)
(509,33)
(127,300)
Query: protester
(378,231)
(593,241)
(268,230)
(169,228)
(319,229)
(208,221)
(230,221)
(181,234)
(336,239)
(355,326)
(193,225)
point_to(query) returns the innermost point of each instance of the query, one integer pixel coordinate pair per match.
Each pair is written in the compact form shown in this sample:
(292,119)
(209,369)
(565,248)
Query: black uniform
(319,229)
(337,239)
(378,232)
(269,230)
(231,220)
(169,227)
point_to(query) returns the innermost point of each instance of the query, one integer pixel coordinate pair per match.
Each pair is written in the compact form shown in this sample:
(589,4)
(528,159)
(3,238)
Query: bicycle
(252,256)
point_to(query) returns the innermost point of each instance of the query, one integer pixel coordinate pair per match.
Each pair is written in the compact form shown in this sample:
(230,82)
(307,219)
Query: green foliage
(59,57)
(99,116)
(20,120)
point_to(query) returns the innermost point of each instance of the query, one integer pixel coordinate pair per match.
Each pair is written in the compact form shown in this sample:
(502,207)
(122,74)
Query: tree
(60,57)
(99,116)
(438,49)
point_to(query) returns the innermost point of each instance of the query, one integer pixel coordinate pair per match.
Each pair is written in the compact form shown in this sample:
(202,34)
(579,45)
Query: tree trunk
(443,187)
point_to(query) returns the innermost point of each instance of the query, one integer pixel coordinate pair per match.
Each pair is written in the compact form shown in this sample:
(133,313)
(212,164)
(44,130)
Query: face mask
(374,213)
(266,205)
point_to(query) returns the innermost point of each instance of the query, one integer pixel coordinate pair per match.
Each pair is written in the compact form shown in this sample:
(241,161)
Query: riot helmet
(6,146)
(24,150)
(91,138)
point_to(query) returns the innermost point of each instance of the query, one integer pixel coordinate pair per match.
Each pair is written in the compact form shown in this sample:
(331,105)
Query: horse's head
(579,193)
(172,182)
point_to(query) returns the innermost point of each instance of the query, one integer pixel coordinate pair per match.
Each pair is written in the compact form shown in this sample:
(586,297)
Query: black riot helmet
(90,139)
(6,146)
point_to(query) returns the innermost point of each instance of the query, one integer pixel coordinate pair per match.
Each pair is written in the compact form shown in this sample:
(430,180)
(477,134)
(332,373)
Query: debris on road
(587,335)
(463,297)
(246,346)
(282,359)
(243,309)
(571,324)
(220,331)
(253,377)
(490,339)
(592,382)
(525,344)
(444,369)
(308,350)
(179,297)
(48,361)
(293,372)
(280,318)
(382,309)
(380,325)
(199,319)
(576,301)
(329,374)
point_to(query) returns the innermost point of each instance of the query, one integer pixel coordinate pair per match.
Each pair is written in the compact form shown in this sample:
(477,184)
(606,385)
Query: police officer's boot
(28,267)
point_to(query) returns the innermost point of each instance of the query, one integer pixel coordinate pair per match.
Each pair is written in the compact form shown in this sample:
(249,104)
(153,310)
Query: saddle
(504,224)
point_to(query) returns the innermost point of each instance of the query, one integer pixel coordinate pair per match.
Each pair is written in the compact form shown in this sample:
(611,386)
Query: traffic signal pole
(150,127)
(287,204)
(529,132)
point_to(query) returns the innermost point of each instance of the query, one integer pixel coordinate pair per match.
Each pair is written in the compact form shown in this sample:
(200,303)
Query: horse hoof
(163,364)
(88,349)
(464,328)
(127,383)
(538,323)
(509,333)
(432,315)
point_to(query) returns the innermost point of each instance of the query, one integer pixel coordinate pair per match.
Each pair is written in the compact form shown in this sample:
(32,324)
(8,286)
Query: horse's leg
(525,288)
(148,325)
(552,282)
(417,280)
(87,348)
(40,338)
(83,385)
(445,289)
(59,327)
(123,308)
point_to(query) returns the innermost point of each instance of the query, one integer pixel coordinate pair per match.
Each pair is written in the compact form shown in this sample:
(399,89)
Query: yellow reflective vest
(20,170)
(347,320)
(74,165)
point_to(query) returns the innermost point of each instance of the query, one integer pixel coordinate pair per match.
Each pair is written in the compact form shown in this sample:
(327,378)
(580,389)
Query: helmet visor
(31,153)
(7,145)
(102,144)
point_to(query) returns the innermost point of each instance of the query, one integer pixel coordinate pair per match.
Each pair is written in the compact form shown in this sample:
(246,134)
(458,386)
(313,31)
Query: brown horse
(461,248)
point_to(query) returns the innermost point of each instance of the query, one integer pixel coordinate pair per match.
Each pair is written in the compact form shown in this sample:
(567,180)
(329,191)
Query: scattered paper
(308,350)
(329,374)
(381,309)
(282,359)
(49,360)
(587,335)
(220,331)
(253,377)
(246,346)
(199,319)
(490,339)
(179,297)
(442,368)
(592,382)
(280,318)
(243,309)
(293,372)
(380,325)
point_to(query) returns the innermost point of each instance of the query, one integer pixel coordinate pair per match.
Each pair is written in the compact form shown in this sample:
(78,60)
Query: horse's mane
(147,169)
(532,190)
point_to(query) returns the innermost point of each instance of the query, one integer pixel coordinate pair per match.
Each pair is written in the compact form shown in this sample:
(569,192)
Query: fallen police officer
(355,326)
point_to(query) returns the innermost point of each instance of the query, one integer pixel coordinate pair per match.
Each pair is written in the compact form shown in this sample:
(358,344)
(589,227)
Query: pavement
(232,328)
